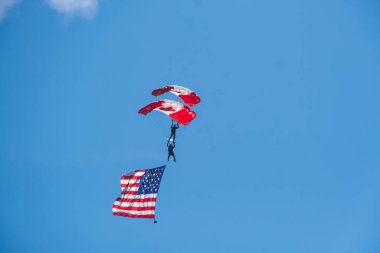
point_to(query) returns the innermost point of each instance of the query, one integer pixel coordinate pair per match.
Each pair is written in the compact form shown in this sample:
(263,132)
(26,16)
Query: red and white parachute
(188,96)
(177,111)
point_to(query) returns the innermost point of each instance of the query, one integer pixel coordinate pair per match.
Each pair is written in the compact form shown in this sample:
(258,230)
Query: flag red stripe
(132,178)
(123,200)
(133,215)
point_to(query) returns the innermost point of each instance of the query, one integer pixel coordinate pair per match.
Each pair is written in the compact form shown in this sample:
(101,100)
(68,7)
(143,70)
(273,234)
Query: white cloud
(84,8)
(5,5)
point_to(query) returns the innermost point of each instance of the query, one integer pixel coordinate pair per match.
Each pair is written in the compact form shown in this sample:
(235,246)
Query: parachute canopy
(188,96)
(177,111)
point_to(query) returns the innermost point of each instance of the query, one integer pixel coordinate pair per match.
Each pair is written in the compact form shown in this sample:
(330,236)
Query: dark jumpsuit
(170,151)
(174,129)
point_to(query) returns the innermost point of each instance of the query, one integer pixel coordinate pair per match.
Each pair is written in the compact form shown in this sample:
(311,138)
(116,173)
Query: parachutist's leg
(168,157)
(174,157)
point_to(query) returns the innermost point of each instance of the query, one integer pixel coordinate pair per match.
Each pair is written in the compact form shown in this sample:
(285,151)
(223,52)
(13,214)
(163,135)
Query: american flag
(138,193)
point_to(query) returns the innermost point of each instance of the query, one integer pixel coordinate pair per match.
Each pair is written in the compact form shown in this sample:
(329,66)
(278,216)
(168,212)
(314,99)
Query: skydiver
(174,128)
(170,150)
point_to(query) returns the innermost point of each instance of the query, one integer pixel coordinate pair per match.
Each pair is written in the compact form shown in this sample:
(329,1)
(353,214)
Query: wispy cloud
(5,5)
(84,8)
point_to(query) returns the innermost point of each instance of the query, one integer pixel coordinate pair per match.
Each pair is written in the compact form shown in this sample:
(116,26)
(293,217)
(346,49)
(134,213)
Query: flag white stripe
(140,196)
(137,174)
(134,181)
(147,212)
(134,204)
(131,189)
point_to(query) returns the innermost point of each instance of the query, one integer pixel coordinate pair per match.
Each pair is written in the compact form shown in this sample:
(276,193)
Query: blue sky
(282,157)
